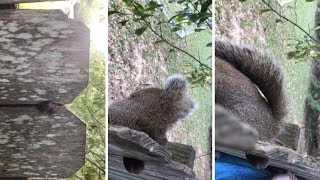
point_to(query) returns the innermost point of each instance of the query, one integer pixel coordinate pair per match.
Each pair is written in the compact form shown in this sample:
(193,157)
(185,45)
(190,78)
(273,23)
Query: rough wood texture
(231,132)
(43,56)
(159,163)
(24,1)
(289,136)
(183,154)
(34,144)
(281,157)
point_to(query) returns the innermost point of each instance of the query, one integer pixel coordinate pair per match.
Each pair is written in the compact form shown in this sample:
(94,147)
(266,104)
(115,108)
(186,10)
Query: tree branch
(97,166)
(295,24)
(101,158)
(78,177)
(174,46)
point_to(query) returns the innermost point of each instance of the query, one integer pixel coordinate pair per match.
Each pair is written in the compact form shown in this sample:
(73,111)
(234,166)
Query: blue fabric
(229,167)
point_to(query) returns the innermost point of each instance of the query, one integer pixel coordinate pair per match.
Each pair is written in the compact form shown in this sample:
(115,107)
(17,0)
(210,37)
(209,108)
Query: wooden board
(34,144)
(159,163)
(43,56)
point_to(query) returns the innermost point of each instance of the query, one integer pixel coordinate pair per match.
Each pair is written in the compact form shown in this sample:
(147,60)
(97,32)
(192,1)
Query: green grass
(202,117)
(277,41)
(197,125)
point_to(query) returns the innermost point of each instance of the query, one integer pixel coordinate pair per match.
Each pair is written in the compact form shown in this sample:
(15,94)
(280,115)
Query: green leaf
(309,0)
(264,11)
(205,6)
(110,13)
(140,30)
(198,16)
(171,50)
(159,41)
(145,16)
(209,45)
(198,30)
(278,21)
(292,54)
(123,22)
(242,0)
(152,5)
(175,29)
(128,3)
(138,5)
(138,12)
(290,7)
(136,19)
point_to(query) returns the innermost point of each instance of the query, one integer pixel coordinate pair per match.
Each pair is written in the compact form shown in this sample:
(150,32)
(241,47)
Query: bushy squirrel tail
(176,84)
(260,69)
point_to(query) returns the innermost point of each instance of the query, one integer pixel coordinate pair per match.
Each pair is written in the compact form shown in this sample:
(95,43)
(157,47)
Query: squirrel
(250,85)
(154,110)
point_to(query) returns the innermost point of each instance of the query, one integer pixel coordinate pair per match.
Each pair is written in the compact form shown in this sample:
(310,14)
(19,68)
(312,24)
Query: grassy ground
(135,62)
(194,130)
(243,21)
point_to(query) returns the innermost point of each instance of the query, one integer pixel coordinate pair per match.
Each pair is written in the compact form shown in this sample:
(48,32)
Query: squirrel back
(154,110)
(260,69)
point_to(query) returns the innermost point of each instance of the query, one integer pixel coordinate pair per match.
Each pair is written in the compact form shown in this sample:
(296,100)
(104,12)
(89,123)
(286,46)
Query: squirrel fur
(154,110)
(250,85)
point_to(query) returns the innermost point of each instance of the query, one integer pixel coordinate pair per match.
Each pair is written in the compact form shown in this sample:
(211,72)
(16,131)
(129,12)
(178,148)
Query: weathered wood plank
(289,136)
(151,171)
(43,56)
(24,1)
(184,154)
(159,163)
(281,157)
(34,144)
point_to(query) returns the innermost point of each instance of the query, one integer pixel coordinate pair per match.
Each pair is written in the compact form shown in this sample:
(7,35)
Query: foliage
(90,106)
(304,47)
(200,77)
(196,13)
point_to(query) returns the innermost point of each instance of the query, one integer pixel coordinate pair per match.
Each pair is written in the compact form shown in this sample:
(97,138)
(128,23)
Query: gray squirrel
(250,85)
(154,110)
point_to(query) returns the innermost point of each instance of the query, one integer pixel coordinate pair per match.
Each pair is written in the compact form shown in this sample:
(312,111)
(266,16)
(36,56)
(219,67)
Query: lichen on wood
(43,56)
(34,144)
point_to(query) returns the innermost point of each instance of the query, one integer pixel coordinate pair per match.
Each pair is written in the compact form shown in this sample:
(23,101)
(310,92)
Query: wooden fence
(174,163)
(44,58)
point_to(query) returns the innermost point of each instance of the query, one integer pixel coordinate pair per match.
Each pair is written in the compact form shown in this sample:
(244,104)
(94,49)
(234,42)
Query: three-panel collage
(160,89)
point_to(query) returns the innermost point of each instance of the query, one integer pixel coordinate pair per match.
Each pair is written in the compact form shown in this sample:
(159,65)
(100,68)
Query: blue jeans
(228,167)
